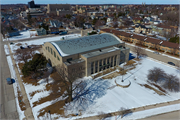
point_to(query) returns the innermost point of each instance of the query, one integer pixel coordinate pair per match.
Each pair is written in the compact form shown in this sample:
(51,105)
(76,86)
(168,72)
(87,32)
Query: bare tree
(24,54)
(139,51)
(126,23)
(115,24)
(103,116)
(69,79)
(124,111)
(156,74)
(171,83)
(98,24)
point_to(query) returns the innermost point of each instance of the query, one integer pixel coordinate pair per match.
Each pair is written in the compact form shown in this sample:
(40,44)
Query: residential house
(55,23)
(142,29)
(109,19)
(53,30)
(150,42)
(87,25)
(41,31)
(137,20)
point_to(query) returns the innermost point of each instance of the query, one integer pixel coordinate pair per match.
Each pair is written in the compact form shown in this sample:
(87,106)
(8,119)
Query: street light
(122,74)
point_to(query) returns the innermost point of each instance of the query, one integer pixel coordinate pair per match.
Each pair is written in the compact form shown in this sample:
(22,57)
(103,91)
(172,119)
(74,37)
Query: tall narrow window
(54,54)
(51,51)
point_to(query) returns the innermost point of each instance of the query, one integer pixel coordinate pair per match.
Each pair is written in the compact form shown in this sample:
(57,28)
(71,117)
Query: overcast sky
(92,1)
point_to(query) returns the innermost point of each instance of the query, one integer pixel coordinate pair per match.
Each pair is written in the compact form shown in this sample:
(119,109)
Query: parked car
(63,33)
(21,47)
(171,63)
(9,81)
(156,53)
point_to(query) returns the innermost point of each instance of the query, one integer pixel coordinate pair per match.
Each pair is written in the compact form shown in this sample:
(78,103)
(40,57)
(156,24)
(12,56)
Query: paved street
(159,57)
(7,102)
(165,116)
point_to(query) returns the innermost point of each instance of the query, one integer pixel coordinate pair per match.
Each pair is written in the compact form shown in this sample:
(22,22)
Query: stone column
(117,59)
(98,66)
(94,67)
(113,61)
(106,63)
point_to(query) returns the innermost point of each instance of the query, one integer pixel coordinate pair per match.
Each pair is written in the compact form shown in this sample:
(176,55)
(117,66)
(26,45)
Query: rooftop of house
(147,39)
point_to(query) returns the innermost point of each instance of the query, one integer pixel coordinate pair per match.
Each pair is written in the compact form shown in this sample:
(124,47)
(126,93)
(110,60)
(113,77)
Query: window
(54,54)
(92,67)
(58,58)
(48,49)
(51,51)
(73,70)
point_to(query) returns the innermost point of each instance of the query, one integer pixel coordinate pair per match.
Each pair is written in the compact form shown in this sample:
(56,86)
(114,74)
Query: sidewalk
(28,112)
(134,109)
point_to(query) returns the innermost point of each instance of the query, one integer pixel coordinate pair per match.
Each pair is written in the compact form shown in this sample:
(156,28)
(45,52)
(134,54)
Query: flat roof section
(100,52)
(74,61)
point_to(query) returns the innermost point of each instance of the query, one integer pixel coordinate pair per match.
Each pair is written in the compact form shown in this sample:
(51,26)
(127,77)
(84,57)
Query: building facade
(93,53)
(59,9)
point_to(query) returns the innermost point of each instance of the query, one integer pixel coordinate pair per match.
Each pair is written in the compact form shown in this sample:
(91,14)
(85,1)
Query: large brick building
(95,53)
(59,9)
(149,42)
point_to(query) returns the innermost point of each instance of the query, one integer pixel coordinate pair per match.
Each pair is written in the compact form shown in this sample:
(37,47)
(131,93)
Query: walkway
(135,109)
(28,112)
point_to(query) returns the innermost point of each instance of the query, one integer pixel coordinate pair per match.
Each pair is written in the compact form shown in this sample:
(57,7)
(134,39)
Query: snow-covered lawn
(102,96)
(23,35)
(105,98)
(135,95)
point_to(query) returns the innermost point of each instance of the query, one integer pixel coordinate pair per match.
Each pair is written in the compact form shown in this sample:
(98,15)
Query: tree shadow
(87,94)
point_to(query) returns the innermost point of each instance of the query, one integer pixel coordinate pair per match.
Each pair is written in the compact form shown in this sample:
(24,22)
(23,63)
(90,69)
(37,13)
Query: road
(159,57)
(7,101)
(166,116)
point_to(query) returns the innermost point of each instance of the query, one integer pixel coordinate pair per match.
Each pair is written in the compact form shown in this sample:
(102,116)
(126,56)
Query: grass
(21,65)
(110,76)
(149,87)
(137,59)
(105,72)
(29,80)
(20,99)
(158,87)
(33,93)
(19,44)
(130,62)
(56,107)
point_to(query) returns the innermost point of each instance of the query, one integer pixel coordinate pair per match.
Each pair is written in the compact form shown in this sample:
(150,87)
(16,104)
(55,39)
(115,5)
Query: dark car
(9,81)
(171,63)
(21,47)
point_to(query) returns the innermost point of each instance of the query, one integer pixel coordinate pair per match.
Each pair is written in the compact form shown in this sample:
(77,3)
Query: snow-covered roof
(84,44)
